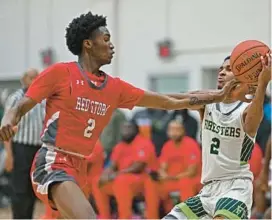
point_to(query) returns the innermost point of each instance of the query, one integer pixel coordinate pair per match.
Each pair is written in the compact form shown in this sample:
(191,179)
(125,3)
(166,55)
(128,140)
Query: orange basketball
(245,60)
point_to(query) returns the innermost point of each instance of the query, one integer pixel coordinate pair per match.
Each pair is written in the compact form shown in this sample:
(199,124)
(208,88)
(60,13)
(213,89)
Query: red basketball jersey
(79,104)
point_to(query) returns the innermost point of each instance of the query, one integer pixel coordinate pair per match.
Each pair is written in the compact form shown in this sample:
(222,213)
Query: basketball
(245,60)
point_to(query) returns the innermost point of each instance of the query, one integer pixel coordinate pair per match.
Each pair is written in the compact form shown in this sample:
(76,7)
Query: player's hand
(105,178)
(265,75)
(262,181)
(163,176)
(7,132)
(243,92)
(228,87)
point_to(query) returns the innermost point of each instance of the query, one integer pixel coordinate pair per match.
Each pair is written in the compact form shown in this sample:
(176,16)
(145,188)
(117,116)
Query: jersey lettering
(225,131)
(94,107)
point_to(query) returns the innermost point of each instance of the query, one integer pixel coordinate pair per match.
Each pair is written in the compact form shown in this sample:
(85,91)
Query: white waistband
(54,148)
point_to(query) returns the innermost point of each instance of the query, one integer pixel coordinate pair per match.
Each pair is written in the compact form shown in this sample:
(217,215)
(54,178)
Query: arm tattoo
(196,101)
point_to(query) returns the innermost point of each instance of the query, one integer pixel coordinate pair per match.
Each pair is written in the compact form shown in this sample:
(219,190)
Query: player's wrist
(219,96)
(263,84)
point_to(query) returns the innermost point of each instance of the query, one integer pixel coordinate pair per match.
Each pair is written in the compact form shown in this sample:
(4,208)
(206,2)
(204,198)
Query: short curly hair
(80,29)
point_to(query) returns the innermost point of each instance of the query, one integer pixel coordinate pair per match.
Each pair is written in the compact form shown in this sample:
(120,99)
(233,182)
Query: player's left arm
(253,114)
(135,168)
(190,100)
(131,96)
(185,95)
(140,161)
(190,172)
(192,159)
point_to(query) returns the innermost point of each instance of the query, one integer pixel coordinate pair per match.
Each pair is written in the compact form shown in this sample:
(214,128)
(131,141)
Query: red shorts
(51,166)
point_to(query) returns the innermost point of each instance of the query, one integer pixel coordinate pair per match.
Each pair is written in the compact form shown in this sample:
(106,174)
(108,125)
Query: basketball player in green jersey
(228,135)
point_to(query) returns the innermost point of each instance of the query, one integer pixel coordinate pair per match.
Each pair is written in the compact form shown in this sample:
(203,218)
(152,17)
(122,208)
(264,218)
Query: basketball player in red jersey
(80,101)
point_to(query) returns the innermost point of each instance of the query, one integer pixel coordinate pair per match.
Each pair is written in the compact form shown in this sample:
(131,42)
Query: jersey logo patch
(93,82)
(141,153)
(80,82)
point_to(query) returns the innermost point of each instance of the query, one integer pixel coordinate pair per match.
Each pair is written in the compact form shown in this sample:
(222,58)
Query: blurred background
(166,46)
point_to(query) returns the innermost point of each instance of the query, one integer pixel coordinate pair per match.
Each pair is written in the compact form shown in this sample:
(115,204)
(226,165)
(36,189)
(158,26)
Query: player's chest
(81,99)
(128,152)
(176,155)
(215,118)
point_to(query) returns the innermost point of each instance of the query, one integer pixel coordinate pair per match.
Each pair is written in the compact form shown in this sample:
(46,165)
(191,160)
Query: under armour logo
(81,82)
(63,159)
(141,153)
(93,82)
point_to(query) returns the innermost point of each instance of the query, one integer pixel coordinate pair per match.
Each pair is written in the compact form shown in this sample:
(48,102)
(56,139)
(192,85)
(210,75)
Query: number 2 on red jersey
(88,130)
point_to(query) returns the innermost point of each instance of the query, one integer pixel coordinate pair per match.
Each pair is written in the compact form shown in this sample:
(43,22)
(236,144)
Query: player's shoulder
(18,94)
(62,66)
(142,139)
(209,106)
(189,140)
(119,146)
(244,105)
(144,142)
(168,144)
(116,80)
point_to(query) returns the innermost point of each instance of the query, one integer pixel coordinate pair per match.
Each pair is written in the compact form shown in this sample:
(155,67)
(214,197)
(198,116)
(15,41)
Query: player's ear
(88,44)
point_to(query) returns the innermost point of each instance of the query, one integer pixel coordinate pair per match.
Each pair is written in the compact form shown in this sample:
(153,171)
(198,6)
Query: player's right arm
(41,88)
(164,158)
(253,114)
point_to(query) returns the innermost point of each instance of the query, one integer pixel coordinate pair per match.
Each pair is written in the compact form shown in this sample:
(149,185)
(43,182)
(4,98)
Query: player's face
(102,47)
(175,131)
(224,74)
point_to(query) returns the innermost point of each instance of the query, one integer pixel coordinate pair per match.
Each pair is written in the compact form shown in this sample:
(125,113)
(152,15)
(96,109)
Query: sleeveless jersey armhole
(241,120)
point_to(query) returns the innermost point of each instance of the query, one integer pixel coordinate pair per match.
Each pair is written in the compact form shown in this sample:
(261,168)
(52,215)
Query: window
(169,83)
(209,78)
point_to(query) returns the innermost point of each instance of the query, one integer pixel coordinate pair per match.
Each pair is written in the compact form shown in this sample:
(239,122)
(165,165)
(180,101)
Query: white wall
(30,25)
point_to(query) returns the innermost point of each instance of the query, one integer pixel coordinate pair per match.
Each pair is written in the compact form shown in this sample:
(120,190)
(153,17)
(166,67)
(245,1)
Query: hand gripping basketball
(265,75)
(246,62)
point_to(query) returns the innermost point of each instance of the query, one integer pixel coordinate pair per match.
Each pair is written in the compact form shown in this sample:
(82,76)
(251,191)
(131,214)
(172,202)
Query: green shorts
(229,198)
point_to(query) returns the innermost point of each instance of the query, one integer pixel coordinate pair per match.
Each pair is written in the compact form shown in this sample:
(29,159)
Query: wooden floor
(39,210)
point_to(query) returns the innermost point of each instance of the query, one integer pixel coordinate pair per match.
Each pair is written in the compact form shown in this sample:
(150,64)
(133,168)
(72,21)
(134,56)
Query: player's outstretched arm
(253,114)
(194,100)
(12,117)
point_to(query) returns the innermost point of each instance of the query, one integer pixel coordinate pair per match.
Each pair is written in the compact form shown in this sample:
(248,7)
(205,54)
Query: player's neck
(229,101)
(177,142)
(89,65)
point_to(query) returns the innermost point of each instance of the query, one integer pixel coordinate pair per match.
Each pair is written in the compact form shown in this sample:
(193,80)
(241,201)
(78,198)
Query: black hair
(81,28)
(227,58)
